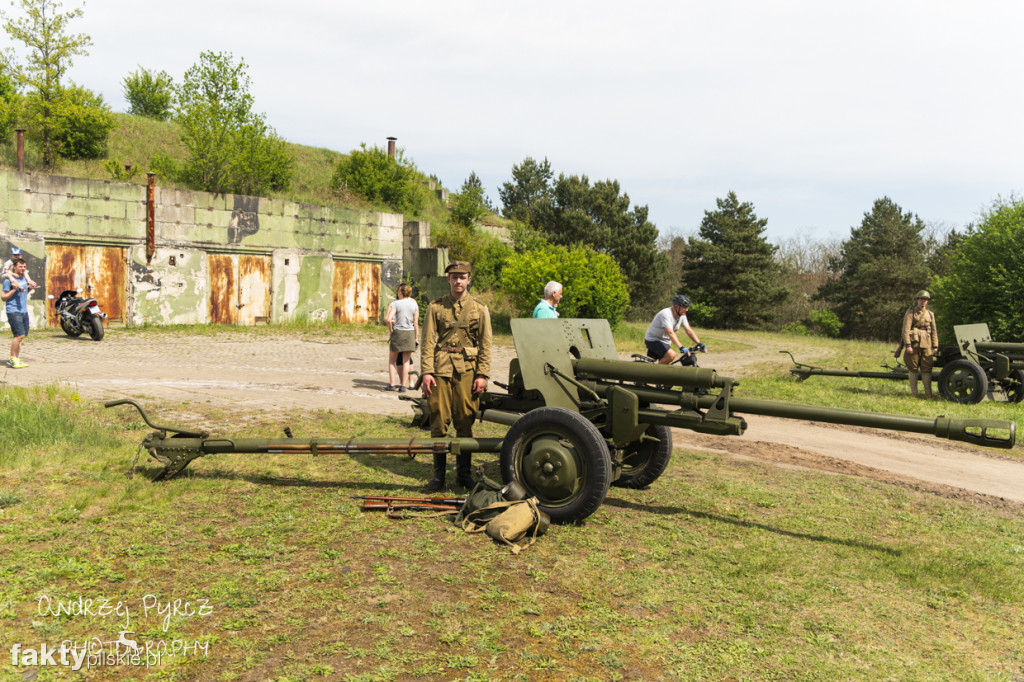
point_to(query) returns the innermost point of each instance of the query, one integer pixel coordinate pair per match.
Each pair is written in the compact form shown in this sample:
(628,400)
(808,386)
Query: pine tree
(730,268)
(877,273)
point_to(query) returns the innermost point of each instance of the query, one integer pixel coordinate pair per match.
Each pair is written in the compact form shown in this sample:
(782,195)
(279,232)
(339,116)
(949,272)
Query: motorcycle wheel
(69,330)
(96,329)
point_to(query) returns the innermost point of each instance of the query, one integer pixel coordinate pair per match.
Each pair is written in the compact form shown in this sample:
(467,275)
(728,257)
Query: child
(7,272)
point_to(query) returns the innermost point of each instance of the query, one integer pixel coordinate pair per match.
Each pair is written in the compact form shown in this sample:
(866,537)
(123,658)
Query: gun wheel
(559,457)
(963,381)
(644,461)
(1013,386)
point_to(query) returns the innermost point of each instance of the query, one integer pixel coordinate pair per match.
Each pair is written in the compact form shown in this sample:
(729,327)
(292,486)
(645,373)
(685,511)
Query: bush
(825,323)
(796,328)
(381,179)
(485,253)
(82,124)
(593,285)
(149,94)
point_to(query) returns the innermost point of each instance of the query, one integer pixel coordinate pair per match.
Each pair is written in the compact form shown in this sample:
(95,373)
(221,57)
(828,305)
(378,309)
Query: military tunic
(919,332)
(456,348)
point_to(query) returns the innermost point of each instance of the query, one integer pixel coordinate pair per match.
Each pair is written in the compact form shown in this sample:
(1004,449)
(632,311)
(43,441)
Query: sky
(809,110)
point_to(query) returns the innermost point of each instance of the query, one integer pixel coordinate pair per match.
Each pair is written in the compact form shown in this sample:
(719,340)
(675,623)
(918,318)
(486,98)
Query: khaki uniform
(456,348)
(919,333)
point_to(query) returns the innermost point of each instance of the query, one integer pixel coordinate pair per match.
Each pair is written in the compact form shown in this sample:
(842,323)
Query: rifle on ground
(389,505)
(451,501)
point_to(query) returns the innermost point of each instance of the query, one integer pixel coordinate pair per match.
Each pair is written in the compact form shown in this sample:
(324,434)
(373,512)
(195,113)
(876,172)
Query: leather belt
(450,349)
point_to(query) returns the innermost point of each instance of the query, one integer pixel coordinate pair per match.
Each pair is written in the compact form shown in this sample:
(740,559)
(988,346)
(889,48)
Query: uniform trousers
(452,401)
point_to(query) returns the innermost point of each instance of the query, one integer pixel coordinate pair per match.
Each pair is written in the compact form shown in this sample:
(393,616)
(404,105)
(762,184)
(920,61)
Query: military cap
(458,266)
(923,294)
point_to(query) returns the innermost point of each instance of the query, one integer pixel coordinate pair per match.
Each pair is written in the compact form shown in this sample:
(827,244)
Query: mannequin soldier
(455,362)
(920,340)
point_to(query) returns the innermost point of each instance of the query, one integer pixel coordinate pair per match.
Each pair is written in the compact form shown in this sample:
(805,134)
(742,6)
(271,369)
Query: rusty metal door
(355,292)
(100,271)
(239,288)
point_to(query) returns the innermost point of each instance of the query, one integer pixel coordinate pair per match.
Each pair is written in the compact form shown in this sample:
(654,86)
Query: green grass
(136,141)
(723,569)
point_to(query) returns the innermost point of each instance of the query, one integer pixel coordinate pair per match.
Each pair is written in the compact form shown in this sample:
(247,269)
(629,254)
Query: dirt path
(266,372)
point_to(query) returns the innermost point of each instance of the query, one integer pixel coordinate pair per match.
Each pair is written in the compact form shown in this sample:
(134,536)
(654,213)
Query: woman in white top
(403,320)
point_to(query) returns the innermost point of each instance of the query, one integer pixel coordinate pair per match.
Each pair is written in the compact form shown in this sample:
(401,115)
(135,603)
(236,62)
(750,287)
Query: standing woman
(403,320)
(921,341)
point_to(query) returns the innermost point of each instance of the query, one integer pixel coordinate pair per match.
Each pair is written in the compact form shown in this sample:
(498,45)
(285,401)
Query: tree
(878,271)
(149,94)
(593,285)
(599,216)
(9,101)
(470,204)
(731,269)
(231,148)
(82,124)
(379,178)
(986,274)
(531,181)
(51,51)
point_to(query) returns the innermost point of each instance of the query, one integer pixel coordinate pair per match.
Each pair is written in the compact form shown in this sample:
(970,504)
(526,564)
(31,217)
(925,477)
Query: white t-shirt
(664,319)
(406,312)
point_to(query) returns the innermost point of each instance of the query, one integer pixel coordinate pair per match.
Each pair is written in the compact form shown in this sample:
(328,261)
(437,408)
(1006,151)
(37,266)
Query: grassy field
(264,568)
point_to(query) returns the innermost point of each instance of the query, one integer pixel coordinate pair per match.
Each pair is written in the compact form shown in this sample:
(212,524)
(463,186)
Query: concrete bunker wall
(216,258)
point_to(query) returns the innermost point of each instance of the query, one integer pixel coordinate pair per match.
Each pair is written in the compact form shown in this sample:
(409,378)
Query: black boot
(437,482)
(464,470)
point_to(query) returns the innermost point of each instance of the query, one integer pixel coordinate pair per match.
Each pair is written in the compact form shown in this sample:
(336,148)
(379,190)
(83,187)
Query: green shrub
(825,323)
(149,94)
(83,123)
(593,285)
(796,328)
(379,178)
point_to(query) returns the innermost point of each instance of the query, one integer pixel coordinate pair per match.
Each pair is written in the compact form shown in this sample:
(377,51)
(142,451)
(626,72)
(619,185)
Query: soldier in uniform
(455,362)
(921,341)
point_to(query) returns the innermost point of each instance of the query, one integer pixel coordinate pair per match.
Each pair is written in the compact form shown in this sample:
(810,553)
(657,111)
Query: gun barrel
(1012,349)
(993,433)
(648,373)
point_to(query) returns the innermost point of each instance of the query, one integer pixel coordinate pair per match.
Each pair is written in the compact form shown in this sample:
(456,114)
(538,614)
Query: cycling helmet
(15,251)
(681,300)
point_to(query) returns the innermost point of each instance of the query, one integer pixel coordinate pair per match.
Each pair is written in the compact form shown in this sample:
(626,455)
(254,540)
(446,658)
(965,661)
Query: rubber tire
(651,459)
(68,330)
(1013,386)
(963,381)
(580,441)
(96,329)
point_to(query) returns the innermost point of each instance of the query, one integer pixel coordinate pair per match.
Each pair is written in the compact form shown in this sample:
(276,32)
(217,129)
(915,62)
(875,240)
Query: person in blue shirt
(15,295)
(546,308)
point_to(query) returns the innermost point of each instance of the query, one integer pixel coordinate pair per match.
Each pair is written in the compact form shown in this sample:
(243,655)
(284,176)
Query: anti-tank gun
(581,420)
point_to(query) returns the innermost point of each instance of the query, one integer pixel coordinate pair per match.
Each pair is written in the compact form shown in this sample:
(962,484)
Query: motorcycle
(79,315)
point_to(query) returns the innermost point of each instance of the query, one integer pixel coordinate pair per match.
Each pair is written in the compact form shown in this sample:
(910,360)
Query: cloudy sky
(810,110)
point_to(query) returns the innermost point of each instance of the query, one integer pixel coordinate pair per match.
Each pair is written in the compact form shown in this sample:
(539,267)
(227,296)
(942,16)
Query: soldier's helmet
(923,294)
(681,300)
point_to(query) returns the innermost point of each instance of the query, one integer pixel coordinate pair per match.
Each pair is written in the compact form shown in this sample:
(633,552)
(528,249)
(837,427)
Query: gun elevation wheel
(559,457)
(644,461)
(963,381)
(1013,386)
